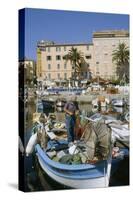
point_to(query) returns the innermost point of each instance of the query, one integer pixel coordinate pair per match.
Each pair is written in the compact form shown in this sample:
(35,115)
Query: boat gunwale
(73,176)
(66,166)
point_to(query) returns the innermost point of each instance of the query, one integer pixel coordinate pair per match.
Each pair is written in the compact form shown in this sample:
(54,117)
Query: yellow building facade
(98,56)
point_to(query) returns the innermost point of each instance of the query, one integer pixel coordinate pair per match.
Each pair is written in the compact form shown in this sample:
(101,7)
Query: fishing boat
(76,176)
(79,176)
(94,174)
(118,102)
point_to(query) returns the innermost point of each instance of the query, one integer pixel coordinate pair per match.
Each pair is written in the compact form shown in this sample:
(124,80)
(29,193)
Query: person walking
(71,108)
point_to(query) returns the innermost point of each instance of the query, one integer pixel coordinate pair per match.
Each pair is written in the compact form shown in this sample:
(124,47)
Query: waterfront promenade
(84,97)
(87,98)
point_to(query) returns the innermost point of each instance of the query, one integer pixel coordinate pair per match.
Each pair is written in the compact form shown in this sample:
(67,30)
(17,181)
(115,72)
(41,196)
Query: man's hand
(68,112)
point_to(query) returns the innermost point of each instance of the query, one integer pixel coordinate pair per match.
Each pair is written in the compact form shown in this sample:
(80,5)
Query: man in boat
(71,109)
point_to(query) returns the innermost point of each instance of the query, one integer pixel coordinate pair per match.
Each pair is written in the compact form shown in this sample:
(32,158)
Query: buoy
(32,142)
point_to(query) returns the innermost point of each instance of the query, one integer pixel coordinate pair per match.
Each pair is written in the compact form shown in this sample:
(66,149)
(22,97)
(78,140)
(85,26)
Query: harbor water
(37,180)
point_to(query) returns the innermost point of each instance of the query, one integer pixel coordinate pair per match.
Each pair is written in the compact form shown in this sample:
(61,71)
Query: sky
(65,27)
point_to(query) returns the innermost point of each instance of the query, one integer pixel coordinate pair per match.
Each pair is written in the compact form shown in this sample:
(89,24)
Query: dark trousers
(70,124)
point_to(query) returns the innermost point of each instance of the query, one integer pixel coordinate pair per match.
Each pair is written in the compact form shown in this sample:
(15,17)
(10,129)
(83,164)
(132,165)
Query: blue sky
(67,26)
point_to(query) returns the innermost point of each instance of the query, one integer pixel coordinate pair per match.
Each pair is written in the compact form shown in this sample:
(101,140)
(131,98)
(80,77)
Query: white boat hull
(119,103)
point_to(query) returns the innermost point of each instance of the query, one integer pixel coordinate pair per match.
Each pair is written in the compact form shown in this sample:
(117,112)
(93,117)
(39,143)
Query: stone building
(104,43)
(98,56)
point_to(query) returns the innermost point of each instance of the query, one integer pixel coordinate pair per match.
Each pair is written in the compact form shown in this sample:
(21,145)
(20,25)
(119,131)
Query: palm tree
(77,61)
(121,58)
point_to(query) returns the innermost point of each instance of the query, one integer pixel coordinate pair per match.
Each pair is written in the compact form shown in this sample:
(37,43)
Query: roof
(63,44)
(111,33)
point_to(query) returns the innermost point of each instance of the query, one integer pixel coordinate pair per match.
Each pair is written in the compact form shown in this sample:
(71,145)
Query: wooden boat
(86,175)
(79,176)
(76,176)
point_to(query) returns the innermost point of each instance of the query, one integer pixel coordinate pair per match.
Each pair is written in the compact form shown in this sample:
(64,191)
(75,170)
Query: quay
(87,98)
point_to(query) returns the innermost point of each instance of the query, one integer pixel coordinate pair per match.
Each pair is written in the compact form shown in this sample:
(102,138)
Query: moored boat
(118,102)
(94,174)
(76,176)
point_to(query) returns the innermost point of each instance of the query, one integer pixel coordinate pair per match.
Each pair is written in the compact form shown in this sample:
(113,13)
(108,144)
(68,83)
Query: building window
(48,49)
(42,48)
(58,75)
(64,48)
(64,57)
(65,66)
(105,54)
(49,58)
(97,63)
(58,66)
(58,49)
(49,76)
(88,57)
(49,66)
(87,47)
(65,75)
(58,57)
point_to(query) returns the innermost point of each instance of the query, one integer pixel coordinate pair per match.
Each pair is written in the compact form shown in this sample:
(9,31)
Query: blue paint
(80,171)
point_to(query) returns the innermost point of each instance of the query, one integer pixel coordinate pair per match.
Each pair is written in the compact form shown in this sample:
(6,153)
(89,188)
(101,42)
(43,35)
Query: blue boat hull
(76,176)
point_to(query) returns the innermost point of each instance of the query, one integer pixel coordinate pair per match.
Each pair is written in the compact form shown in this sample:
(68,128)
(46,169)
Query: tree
(121,58)
(77,61)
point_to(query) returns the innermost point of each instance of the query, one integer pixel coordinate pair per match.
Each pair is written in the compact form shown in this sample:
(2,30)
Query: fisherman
(71,109)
